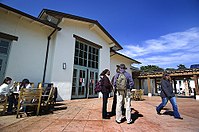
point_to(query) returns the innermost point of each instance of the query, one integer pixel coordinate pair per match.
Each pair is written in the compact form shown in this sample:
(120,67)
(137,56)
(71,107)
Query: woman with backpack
(106,89)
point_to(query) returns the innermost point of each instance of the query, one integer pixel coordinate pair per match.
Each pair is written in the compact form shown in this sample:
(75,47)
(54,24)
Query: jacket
(106,85)
(166,89)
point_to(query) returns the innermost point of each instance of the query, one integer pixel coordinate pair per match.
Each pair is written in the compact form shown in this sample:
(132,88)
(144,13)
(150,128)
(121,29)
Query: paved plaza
(84,115)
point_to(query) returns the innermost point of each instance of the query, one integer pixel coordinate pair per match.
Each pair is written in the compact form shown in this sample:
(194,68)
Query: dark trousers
(11,100)
(114,103)
(104,105)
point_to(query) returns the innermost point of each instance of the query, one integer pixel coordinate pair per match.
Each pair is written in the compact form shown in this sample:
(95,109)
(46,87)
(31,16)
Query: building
(66,50)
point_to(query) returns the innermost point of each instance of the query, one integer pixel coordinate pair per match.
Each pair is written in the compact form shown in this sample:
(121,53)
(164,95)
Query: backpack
(121,84)
(98,86)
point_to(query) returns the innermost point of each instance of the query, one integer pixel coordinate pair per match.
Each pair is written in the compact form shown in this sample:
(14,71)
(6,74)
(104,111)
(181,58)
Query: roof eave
(28,16)
(74,17)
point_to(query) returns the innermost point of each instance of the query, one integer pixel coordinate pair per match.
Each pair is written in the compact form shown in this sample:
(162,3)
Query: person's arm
(115,78)
(130,80)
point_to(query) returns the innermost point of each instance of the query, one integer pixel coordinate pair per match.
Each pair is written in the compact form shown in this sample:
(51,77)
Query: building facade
(66,50)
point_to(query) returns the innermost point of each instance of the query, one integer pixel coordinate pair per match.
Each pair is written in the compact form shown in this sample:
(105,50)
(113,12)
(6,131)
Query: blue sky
(155,32)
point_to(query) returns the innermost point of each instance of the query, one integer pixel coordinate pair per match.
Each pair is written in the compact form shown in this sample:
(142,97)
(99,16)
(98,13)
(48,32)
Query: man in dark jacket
(167,94)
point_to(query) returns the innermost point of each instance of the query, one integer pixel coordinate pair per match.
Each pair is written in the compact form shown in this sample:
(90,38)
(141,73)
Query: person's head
(7,80)
(105,72)
(166,76)
(25,82)
(122,68)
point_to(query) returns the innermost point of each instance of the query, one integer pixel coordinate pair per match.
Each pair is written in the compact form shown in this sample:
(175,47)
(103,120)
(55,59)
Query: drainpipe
(46,59)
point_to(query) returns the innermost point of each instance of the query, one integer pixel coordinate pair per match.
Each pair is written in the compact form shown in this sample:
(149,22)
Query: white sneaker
(129,122)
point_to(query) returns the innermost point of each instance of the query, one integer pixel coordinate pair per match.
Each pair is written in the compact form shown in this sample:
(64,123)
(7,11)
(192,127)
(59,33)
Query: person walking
(123,83)
(106,89)
(167,94)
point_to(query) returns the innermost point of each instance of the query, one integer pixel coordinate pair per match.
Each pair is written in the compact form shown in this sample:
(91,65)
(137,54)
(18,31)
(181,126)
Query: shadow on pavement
(168,112)
(135,115)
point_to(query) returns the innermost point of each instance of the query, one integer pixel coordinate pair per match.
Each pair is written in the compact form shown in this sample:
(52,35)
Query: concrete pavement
(84,115)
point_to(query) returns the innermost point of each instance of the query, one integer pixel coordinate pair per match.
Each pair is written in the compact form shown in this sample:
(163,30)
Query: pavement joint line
(73,118)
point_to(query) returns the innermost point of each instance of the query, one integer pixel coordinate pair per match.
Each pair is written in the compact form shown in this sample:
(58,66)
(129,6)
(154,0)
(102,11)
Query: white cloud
(169,50)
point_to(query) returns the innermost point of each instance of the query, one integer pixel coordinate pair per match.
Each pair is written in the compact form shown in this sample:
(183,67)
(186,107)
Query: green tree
(181,67)
(151,68)
(170,69)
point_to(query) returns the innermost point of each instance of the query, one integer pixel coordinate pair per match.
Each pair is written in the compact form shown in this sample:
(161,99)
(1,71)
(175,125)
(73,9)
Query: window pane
(76,44)
(89,63)
(81,46)
(86,48)
(93,57)
(89,56)
(76,52)
(86,55)
(96,58)
(85,62)
(80,61)
(89,49)
(76,61)
(81,53)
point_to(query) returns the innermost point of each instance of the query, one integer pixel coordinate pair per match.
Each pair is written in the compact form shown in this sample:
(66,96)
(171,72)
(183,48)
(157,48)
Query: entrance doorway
(84,80)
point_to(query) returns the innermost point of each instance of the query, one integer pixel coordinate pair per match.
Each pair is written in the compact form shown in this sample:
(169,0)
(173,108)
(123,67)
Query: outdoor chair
(30,97)
(3,103)
(138,94)
(47,102)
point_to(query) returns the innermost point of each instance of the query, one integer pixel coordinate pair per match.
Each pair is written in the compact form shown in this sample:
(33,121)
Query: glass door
(92,79)
(79,86)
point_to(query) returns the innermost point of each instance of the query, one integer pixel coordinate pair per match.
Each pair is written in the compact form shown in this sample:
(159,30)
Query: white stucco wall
(27,55)
(64,53)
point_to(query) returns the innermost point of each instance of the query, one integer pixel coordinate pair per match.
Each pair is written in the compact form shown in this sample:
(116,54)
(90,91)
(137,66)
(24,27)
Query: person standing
(113,112)
(167,94)
(123,83)
(106,89)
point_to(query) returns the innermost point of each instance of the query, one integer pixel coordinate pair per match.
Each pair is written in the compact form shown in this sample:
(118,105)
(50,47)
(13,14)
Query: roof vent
(52,19)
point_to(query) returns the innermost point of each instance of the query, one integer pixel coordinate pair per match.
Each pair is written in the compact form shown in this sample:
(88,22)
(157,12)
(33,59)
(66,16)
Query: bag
(98,86)
(121,84)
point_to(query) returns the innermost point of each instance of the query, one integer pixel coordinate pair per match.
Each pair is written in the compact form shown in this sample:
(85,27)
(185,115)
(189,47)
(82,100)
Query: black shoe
(180,118)
(158,113)
(117,122)
(106,117)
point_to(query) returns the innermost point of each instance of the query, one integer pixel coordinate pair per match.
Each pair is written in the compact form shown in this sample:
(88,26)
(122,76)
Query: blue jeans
(174,105)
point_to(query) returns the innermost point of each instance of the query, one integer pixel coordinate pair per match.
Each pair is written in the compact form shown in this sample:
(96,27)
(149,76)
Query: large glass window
(86,55)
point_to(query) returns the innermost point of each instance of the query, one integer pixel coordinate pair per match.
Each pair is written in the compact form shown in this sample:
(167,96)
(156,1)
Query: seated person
(5,91)
(24,84)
